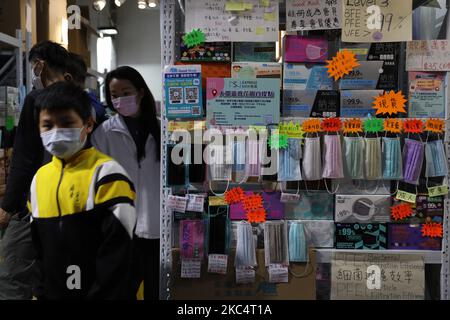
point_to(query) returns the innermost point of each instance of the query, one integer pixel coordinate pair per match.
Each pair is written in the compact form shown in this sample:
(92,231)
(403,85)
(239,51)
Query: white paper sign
(176,203)
(313,15)
(195,202)
(217,263)
(290,198)
(376,276)
(278,273)
(428,55)
(245,275)
(256,24)
(191,269)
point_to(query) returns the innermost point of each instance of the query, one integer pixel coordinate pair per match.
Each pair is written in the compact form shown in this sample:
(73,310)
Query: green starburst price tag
(194,38)
(373,125)
(278,141)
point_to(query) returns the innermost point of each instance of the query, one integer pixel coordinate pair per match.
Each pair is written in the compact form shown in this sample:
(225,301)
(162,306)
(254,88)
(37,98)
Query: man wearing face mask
(48,60)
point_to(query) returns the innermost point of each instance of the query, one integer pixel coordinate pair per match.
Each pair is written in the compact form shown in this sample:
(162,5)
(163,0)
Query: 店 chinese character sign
(221,20)
(376,276)
(313,15)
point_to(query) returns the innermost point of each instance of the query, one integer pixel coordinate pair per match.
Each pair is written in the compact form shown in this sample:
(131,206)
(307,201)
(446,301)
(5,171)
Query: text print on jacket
(114,139)
(83,215)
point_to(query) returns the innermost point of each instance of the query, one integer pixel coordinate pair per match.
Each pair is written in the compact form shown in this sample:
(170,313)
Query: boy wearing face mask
(48,60)
(82,204)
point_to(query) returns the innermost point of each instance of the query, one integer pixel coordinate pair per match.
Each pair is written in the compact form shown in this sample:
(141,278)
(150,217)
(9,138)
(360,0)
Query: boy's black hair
(54,54)
(64,95)
(77,68)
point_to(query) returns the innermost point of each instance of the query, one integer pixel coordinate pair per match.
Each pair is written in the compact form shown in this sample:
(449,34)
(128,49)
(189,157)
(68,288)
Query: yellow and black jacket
(83,218)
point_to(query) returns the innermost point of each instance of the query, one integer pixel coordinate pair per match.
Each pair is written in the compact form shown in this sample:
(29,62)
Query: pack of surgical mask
(276,243)
(354,151)
(435,159)
(319,233)
(192,239)
(392,159)
(289,161)
(413,154)
(239,161)
(312,159)
(313,205)
(253,158)
(245,246)
(219,168)
(218,230)
(363,208)
(332,158)
(298,245)
(372,165)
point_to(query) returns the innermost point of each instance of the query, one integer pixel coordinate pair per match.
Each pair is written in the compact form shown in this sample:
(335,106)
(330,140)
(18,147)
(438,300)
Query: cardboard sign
(238,23)
(428,55)
(377,276)
(313,15)
(239,102)
(381,21)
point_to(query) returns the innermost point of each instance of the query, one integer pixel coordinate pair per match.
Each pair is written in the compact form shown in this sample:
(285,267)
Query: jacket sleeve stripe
(112,190)
(126,214)
(114,201)
(33,203)
(111,178)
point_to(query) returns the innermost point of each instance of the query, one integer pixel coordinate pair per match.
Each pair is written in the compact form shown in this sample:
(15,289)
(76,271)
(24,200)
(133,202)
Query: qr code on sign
(191,94)
(195,111)
(175,95)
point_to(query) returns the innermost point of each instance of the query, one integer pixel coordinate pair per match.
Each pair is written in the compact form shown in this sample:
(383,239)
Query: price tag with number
(278,273)
(245,275)
(177,204)
(190,268)
(217,263)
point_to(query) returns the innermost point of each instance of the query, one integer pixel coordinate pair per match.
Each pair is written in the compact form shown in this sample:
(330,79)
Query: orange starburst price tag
(353,126)
(432,230)
(312,126)
(256,216)
(331,125)
(393,125)
(343,63)
(390,103)
(252,202)
(234,195)
(401,211)
(413,126)
(435,125)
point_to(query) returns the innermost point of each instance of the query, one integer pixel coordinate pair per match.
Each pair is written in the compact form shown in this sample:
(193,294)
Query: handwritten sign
(438,191)
(291,130)
(413,126)
(353,126)
(312,126)
(278,273)
(250,23)
(245,275)
(195,203)
(217,263)
(406,196)
(376,276)
(373,125)
(343,63)
(383,21)
(393,125)
(177,204)
(428,55)
(435,125)
(313,15)
(331,125)
(432,230)
(390,103)
(190,268)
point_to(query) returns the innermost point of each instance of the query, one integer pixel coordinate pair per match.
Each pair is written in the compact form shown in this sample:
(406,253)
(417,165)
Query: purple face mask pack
(306,49)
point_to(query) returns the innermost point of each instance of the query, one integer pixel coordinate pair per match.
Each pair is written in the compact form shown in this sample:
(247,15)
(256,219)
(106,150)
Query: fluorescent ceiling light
(152,3)
(108,31)
(119,2)
(98,5)
(142,4)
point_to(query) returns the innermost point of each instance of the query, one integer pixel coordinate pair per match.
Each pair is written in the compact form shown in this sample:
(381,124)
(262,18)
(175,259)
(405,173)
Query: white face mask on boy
(63,142)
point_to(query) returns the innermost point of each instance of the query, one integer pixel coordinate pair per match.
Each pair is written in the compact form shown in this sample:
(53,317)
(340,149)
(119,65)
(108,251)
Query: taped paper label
(278,273)
(177,204)
(245,275)
(190,269)
(217,263)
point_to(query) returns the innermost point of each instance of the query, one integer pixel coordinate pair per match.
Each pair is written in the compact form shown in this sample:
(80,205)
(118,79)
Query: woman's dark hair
(64,95)
(148,123)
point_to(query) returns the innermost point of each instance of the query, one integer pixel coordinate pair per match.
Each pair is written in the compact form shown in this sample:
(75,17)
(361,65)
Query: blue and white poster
(183,91)
(242,102)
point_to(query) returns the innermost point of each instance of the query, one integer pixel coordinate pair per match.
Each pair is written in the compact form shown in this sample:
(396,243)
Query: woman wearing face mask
(132,137)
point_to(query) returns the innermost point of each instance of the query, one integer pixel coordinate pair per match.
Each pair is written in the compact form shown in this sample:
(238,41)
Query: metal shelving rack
(15,43)
(168,53)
